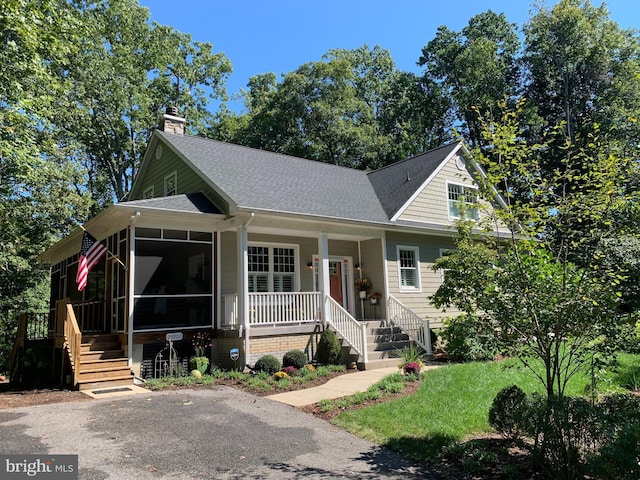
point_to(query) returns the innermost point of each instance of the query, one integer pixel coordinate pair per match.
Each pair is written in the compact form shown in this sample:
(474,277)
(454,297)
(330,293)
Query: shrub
(465,339)
(290,370)
(411,368)
(329,348)
(268,364)
(294,358)
(508,411)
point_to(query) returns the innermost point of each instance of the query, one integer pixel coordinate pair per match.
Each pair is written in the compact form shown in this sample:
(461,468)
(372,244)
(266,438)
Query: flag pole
(115,257)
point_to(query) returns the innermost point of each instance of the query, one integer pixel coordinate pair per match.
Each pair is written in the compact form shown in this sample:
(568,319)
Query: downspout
(243,291)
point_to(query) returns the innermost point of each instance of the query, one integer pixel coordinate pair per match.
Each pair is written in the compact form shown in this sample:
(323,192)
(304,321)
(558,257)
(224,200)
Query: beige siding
(431,204)
(373,269)
(429,250)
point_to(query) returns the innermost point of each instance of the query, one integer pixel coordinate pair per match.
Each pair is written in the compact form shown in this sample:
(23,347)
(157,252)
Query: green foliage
(467,339)
(409,354)
(294,358)
(476,68)
(508,410)
(329,348)
(268,364)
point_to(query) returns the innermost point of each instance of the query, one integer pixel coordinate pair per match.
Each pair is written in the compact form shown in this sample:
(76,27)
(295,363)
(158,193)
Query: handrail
(353,332)
(411,323)
(72,335)
(20,341)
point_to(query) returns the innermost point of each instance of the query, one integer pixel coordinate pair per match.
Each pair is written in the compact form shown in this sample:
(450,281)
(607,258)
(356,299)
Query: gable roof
(395,184)
(260,180)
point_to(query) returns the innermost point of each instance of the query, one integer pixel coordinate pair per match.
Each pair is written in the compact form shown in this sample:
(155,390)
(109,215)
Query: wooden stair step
(103,375)
(101,355)
(100,346)
(99,365)
(114,382)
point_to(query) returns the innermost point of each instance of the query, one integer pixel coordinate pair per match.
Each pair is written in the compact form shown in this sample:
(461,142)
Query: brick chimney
(171,122)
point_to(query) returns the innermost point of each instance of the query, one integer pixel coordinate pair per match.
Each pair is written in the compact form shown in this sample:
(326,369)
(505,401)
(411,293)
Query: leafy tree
(475,68)
(123,75)
(552,303)
(39,194)
(352,108)
(580,70)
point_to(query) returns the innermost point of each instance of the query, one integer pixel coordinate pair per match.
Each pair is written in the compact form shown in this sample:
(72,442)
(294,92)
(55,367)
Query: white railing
(353,332)
(411,323)
(273,308)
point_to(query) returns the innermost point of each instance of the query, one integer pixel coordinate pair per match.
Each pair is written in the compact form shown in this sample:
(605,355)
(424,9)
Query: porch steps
(103,363)
(383,345)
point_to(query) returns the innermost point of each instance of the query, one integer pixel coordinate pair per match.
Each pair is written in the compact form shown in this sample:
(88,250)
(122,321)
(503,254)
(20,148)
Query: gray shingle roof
(395,184)
(261,180)
(187,203)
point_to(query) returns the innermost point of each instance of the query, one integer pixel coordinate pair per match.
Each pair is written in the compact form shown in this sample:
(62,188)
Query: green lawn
(452,403)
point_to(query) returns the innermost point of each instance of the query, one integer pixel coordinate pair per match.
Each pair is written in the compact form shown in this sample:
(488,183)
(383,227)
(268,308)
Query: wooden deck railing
(411,323)
(67,324)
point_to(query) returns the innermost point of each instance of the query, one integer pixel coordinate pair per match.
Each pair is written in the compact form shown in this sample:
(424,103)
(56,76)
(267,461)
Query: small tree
(542,284)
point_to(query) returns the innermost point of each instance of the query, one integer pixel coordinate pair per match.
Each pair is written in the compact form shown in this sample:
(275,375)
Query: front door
(340,280)
(335,281)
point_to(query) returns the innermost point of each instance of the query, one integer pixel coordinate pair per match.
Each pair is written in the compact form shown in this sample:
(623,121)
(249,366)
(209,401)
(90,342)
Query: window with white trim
(171,184)
(409,268)
(462,196)
(271,268)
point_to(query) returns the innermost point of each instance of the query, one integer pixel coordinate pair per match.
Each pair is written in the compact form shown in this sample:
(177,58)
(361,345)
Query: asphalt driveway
(218,433)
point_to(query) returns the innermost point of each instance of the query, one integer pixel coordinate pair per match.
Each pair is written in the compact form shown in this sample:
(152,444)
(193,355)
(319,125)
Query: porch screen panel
(173,283)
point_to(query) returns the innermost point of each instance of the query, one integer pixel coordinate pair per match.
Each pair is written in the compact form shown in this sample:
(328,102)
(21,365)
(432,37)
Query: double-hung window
(462,197)
(409,268)
(272,268)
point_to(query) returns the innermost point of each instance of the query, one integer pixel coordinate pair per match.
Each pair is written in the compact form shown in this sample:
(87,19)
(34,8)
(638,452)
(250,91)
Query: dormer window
(462,197)
(148,193)
(171,184)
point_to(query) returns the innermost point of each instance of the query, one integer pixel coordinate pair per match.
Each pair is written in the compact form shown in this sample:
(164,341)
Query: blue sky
(278,36)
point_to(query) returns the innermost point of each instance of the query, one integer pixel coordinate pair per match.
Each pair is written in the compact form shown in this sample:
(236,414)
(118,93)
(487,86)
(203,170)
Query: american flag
(90,254)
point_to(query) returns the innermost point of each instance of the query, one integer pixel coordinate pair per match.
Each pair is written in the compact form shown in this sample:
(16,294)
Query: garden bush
(294,358)
(508,411)
(329,348)
(465,339)
(268,364)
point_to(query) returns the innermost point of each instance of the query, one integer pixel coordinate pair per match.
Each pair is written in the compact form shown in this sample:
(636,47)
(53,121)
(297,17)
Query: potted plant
(201,342)
(363,285)
(375,298)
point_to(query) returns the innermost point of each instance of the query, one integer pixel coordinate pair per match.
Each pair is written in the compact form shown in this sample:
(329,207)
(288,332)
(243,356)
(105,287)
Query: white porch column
(243,290)
(131,293)
(323,274)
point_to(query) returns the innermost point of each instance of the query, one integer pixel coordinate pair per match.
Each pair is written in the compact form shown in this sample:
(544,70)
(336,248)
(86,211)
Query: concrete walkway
(337,387)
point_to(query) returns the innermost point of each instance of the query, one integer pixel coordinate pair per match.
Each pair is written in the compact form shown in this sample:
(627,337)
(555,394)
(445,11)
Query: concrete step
(379,363)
